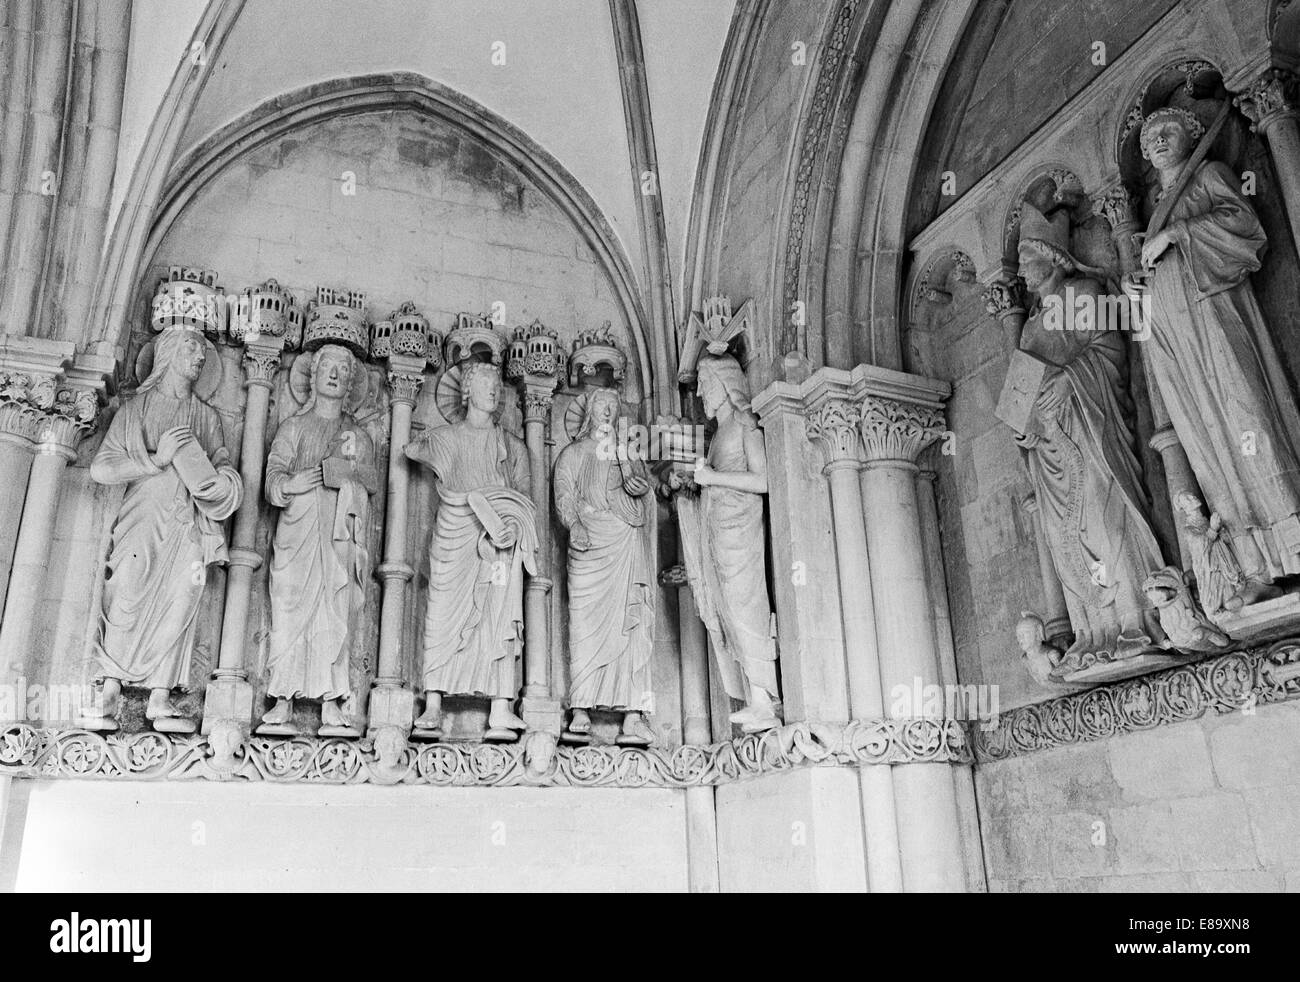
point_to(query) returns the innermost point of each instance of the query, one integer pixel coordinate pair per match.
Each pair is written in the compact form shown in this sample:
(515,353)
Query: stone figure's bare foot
(280,713)
(160,706)
(430,719)
(580,723)
(636,731)
(165,717)
(331,714)
(501,718)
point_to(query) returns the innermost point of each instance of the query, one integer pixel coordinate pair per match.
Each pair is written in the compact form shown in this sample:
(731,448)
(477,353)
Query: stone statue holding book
(320,474)
(166,445)
(1066,398)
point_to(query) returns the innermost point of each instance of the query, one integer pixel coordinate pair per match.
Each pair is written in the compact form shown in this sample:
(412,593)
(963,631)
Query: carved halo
(209,378)
(300,381)
(577,409)
(448,398)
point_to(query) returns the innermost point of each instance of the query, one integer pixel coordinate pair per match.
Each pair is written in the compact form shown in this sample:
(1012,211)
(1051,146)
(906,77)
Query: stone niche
(957,331)
(400,206)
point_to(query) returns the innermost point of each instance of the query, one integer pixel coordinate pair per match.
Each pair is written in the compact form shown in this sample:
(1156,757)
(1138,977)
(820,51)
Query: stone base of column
(390,705)
(227,700)
(542,714)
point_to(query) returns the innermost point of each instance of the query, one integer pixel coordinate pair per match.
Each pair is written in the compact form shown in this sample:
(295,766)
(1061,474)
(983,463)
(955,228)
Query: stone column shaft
(894,431)
(58,432)
(540,708)
(833,425)
(963,774)
(17,447)
(701,809)
(1270,104)
(229,695)
(392,702)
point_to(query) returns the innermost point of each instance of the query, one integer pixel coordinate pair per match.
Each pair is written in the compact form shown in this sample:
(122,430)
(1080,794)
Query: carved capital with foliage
(896,430)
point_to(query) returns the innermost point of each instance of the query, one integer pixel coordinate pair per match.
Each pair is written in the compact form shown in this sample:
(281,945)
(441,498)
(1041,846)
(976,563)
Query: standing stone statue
(320,473)
(1213,360)
(724,545)
(484,538)
(1080,453)
(602,500)
(166,446)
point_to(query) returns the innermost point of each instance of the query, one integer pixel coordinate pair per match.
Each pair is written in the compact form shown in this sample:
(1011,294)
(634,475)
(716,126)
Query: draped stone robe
(1219,375)
(1088,484)
(611,586)
(473,627)
(320,559)
(162,541)
(724,547)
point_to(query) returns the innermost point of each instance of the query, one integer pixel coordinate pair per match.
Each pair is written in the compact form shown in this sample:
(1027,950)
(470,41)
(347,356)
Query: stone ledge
(1239,681)
(32,752)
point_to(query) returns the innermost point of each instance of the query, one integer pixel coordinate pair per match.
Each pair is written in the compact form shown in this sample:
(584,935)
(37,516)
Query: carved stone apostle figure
(320,474)
(1213,360)
(724,545)
(484,538)
(601,498)
(165,444)
(1080,453)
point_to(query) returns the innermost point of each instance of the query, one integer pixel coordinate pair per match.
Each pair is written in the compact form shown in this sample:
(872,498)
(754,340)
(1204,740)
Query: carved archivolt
(28,751)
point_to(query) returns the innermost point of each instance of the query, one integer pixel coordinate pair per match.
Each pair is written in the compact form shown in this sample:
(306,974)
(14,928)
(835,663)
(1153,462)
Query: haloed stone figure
(724,545)
(320,474)
(602,501)
(1080,457)
(484,537)
(1213,359)
(166,446)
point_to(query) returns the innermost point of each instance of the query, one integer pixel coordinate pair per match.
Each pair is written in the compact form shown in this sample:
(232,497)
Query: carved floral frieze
(29,751)
(1236,682)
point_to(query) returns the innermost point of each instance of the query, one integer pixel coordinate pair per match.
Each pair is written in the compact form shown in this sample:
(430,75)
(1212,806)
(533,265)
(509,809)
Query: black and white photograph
(643,447)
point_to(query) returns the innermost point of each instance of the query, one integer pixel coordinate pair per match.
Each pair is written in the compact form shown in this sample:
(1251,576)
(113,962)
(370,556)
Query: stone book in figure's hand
(1020,391)
(335,471)
(193,467)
